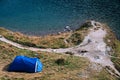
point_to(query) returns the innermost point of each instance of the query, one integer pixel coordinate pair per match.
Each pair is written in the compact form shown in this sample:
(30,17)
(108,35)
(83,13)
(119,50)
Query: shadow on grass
(5,68)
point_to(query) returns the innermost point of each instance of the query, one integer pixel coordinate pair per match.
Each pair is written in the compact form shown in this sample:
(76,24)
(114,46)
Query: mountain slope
(59,66)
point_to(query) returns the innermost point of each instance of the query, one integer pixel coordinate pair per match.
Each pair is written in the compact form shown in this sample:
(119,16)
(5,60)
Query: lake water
(39,17)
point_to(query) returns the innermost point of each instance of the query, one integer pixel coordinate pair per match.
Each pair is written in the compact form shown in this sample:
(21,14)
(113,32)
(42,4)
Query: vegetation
(56,66)
(84,26)
(116,58)
(114,43)
(103,75)
(48,41)
(75,39)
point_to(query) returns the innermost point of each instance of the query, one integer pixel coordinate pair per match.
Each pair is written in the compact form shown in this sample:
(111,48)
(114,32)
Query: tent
(25,64)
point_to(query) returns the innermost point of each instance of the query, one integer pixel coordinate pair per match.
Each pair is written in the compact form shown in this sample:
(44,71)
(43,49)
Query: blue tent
(25,64)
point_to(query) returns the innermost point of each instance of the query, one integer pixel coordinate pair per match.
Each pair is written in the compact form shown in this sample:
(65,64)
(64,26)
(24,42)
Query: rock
(108,40)
(0,36)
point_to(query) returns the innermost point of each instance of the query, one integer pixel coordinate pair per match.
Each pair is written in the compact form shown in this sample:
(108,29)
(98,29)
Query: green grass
(103,75)
(7,78)
(116,61)
(115,45)
(49,41)
(51,69)
(75,38)
(56,66)
(84,26)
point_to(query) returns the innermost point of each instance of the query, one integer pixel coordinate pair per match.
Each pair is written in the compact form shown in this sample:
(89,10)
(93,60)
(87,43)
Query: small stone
(96,57)
(0,36)
(109,40)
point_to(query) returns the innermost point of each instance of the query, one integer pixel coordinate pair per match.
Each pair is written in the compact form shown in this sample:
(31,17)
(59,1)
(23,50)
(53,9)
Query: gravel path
(93,47)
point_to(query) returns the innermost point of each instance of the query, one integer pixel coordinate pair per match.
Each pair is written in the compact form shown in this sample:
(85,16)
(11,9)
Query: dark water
(49,16)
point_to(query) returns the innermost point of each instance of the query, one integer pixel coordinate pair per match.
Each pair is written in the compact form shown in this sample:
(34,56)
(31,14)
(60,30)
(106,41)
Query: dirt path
(93,47)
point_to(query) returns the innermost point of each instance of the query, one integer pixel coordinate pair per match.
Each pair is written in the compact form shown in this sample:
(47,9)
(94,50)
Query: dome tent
(25,64)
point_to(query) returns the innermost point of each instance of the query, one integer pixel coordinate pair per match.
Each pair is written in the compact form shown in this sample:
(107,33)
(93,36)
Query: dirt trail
(93,47)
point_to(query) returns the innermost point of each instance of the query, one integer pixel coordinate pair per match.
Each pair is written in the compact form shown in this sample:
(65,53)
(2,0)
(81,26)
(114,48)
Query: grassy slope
(49,41)
(68,70)
(115,44)
(42,42)
(117,54)
(51,71)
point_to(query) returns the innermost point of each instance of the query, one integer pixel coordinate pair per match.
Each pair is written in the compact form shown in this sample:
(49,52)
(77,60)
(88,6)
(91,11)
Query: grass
(52,71)
(84,26)
(114,43)
(48,41)
(103,75)
(56,66)
(75,38)
(116,61)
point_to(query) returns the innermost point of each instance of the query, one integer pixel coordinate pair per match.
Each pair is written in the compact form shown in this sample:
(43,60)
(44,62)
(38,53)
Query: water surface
(38,17)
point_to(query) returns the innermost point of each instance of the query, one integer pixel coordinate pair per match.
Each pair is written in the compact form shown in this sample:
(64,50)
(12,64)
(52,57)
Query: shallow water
(38,17)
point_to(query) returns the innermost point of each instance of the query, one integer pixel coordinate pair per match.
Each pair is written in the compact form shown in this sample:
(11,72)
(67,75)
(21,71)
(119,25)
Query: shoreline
(98,46)
(45,33)
(94,47)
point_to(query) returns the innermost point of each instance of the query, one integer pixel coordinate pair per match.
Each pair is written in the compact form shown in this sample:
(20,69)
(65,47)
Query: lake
(41,17)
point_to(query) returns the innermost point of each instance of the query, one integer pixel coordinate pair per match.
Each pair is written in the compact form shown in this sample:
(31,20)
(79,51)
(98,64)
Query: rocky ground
(93,47)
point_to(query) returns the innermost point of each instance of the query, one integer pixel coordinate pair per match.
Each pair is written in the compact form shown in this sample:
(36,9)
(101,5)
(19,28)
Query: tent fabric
(25,64)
